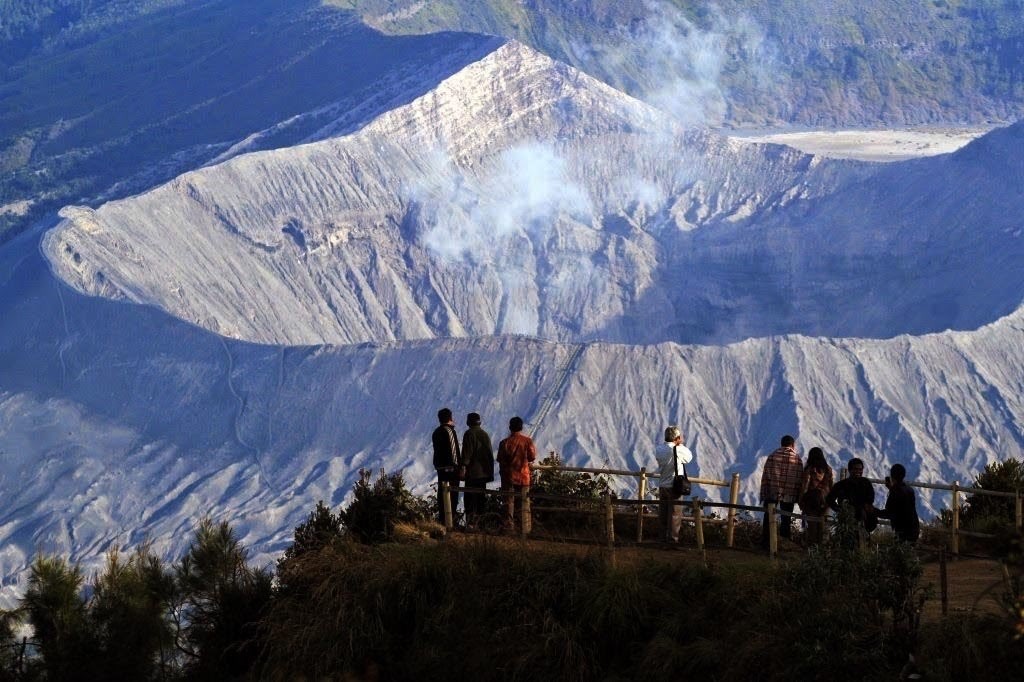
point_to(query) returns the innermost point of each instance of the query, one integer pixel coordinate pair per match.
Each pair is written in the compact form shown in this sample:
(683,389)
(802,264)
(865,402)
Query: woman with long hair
(816,482)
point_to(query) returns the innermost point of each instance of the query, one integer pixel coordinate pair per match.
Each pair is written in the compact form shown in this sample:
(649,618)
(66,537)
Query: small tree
(320,528)
(56,611)
(376,507)
(11,649)
(129,614)
(221,600)
(1006,476)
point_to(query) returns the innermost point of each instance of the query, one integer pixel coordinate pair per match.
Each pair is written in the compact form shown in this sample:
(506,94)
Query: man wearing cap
(515,454)
(673,457)
(478,456)
(447,459)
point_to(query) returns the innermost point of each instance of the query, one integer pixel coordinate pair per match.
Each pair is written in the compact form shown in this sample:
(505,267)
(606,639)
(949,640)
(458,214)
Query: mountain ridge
(576,219)
(685,275)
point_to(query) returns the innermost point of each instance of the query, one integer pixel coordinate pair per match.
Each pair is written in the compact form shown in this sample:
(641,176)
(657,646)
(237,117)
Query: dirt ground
(972,585)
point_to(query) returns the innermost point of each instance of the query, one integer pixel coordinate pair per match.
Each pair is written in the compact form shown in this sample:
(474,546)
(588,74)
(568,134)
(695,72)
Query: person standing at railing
(814,486)
(857,492)
(780,484)
(478,457)
(447,459)
(901,506)
(515,454)
(673,457)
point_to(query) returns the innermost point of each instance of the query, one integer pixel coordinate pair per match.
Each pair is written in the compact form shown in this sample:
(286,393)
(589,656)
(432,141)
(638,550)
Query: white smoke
(664,47)
(526,189)
(479,214)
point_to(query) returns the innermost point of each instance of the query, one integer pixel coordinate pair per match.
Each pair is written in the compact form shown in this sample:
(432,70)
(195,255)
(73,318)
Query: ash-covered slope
(521,196)
(120,423)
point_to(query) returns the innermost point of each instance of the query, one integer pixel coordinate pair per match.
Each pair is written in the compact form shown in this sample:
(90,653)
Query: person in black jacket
(447,460)
(478,457)
(901,506)
(856,492)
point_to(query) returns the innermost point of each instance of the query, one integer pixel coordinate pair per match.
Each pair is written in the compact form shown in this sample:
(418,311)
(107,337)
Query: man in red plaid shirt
(780,483)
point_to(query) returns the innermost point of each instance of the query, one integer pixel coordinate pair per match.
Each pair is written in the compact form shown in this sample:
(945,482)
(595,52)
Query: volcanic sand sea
(871,145)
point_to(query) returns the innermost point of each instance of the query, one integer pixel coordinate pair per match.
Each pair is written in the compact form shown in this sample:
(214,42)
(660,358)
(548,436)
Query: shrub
(1006,476)
(576,485)
(376,507)
(576,490)
(321,527)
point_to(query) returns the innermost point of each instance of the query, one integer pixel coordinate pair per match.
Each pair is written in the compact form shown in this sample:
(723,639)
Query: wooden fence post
(641,493)
(1019,512)
(698,526)
(955,540)
(526,523)
(943,582)
(446,504)
(773,531)
(609,520)
(734,496)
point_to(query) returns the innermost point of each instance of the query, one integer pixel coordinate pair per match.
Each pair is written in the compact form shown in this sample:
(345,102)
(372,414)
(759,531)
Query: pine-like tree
(221,602)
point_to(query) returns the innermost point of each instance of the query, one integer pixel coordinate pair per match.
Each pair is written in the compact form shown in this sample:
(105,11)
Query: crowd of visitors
(786,481)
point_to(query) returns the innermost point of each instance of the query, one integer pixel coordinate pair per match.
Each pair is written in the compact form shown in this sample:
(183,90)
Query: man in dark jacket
(478,456)
(901,506)
(856,492)
(447,460)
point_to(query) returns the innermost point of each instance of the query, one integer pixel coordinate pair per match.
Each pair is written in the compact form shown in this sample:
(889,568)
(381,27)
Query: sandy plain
(871,145)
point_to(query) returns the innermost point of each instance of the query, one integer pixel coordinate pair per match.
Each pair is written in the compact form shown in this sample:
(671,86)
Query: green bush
(321,527)
(376,507)
(984,513)
(578,491)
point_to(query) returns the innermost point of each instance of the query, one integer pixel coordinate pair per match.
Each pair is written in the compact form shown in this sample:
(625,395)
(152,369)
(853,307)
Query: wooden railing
(696,506)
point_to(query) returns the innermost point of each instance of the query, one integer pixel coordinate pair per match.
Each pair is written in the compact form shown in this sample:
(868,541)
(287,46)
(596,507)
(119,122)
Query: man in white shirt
(673,457)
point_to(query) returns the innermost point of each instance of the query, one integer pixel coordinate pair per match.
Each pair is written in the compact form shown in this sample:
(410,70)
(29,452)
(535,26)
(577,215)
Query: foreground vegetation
(366,593)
